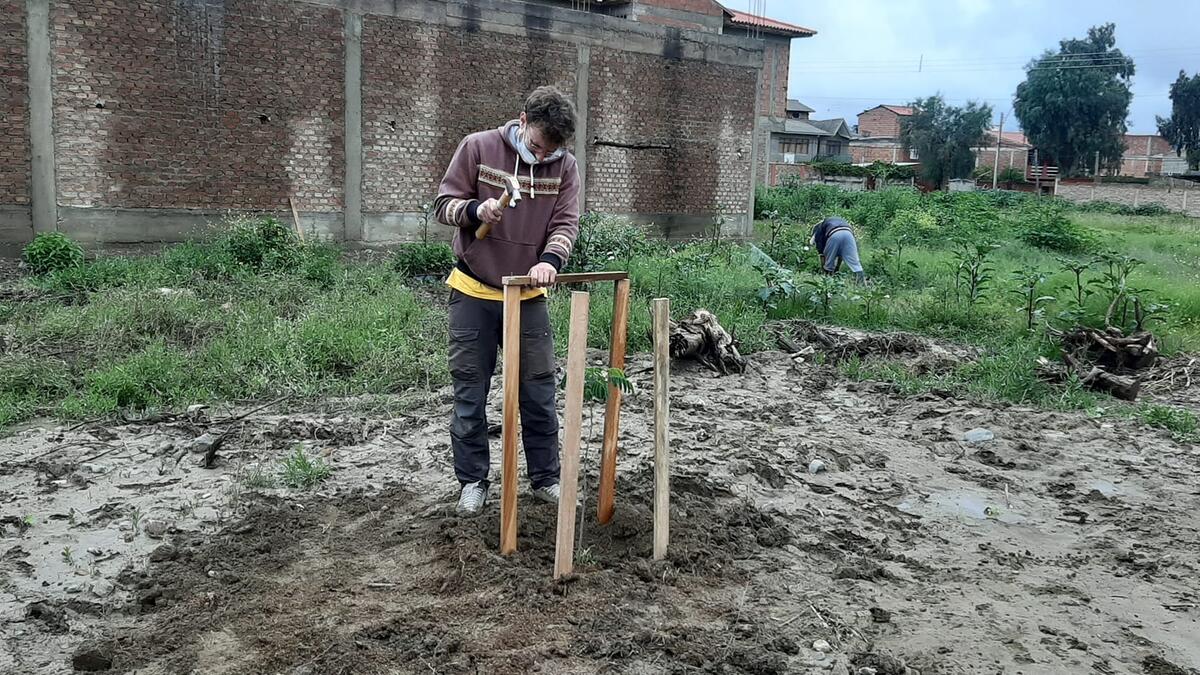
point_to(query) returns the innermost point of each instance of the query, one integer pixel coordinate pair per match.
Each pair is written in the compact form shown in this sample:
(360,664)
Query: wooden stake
(296,219)
(512,386)
(564,546)
(612,410)
(661,309)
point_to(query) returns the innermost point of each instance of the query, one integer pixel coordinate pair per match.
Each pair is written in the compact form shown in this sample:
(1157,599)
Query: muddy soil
(1050,543)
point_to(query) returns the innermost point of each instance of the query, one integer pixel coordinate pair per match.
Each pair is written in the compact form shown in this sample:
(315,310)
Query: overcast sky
(867,52)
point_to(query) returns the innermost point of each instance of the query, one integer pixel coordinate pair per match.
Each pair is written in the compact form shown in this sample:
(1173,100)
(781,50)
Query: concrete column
(581,123)
(353,223)
(41,116)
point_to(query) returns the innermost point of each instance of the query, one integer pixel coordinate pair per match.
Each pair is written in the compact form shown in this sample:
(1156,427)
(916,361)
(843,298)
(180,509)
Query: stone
(816,466)
(74,588)
(880,615)
(102,588)
(822,646)
(155,529)
(95,551)
(92,657)
(207,514)
(163,553)
(979,435)
(92,467)
(204,443)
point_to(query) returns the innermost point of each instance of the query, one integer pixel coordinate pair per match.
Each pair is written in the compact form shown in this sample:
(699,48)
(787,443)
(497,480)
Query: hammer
(512,195)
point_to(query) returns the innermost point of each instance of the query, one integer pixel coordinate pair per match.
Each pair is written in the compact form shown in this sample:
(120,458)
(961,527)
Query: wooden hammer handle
(483,229)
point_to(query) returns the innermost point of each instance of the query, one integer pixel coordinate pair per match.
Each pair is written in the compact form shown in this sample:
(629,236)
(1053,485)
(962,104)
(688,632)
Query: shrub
(263,243)
(604,241)
(413,260)
(1044,224)
(52,251)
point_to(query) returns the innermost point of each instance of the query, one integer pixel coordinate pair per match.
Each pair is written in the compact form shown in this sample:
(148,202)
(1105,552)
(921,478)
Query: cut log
(1111,349)
(1124,388)
(701,337)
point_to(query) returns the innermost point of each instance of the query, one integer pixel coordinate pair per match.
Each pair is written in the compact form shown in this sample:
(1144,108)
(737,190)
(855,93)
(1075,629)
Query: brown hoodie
(542,227)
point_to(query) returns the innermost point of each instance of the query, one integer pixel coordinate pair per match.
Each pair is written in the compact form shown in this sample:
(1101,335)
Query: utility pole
(1096,170)
(1037,175)
(996,165)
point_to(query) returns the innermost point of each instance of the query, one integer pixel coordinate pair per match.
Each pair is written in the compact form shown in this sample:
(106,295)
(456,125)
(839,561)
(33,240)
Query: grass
(299,471)
(251,313)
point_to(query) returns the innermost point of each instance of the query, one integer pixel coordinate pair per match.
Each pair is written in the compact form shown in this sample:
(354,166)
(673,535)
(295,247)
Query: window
(833,148)
(913,154)
(794,147)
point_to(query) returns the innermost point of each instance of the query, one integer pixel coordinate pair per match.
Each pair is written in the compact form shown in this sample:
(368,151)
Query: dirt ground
(1063,543)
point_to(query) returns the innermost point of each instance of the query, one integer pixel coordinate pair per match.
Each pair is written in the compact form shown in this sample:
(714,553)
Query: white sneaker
(471,499)
(547,493)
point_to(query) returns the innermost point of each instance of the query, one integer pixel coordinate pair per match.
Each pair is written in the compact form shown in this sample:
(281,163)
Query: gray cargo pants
(476,331)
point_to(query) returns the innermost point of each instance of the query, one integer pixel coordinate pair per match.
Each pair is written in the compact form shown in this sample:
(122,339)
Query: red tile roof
(771,25)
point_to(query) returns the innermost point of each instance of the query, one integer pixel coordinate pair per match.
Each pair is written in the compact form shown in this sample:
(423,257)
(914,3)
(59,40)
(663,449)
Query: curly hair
(548,109)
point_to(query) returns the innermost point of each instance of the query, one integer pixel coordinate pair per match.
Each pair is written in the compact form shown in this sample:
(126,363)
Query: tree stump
(701,337)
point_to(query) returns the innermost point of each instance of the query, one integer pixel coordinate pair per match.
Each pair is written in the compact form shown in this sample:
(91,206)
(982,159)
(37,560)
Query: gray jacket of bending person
(835,242)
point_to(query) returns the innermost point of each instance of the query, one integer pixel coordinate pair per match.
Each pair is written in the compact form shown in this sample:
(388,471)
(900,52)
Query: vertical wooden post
(512,387)
(564,545)
(661,309)
(612,410)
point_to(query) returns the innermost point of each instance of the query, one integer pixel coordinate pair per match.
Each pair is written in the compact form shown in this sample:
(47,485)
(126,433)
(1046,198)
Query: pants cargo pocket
(464,354)
(537,353)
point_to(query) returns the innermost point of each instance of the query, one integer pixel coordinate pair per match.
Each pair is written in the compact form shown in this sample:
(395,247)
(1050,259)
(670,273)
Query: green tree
(943,136)
(1182,128)
(1073,103)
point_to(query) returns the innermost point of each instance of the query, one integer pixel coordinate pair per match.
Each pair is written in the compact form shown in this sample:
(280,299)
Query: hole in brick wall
(100,105)
(392,124)
(264,118)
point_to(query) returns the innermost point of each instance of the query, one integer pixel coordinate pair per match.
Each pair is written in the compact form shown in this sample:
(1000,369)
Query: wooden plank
(612,410)
(564,546)
(661,310)
(570,278)
(296,219)
(512,386)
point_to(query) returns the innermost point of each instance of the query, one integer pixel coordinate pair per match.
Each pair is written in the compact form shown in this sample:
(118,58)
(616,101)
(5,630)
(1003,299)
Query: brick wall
(707,166)
(891,152)
(233,104)
(1135,144)
(707,7)
(1183,200)
(772,95)
(1016,157)
(427,86)
(879,122)
(14,111)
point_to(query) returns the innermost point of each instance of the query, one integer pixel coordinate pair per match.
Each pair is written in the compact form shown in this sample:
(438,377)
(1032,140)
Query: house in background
(796,141)
(1148,155)
(1014,151)
(878,138)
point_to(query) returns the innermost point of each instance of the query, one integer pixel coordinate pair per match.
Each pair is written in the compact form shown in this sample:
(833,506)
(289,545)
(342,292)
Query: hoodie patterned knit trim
(497,178)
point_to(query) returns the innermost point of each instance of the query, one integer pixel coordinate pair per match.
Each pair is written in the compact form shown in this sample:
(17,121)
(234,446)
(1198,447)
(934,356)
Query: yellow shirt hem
(464,284)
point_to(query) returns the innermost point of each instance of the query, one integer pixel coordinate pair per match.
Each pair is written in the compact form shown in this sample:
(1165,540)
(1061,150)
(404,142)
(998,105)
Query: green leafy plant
(870,297)
(974,270)
(1114,281)
(51,252)
(412,260)
(597,383)
(300,471)
(825,287)
(778,286)
(263,243)
(1010,176)
(1077,268)
(1029,279)
(605,241)
(1045,224)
